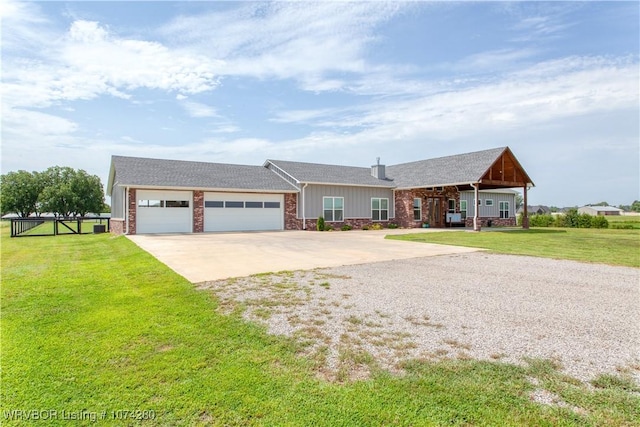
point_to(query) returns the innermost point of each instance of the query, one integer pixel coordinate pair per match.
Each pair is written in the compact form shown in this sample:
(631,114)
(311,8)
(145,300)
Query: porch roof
(494,168)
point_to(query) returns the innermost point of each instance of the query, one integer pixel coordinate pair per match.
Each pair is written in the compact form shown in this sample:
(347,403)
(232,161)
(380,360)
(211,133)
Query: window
(417,209)
(463,209)
(151,203)
(479,202)
(177,204)
(488,202)
(234,204)
(253,205)
(452,206)
(504,209)
(272,205)
(214,204)
(333,208)
(379,209)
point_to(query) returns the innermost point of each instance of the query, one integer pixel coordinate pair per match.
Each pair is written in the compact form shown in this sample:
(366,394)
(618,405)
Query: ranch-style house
(175,196)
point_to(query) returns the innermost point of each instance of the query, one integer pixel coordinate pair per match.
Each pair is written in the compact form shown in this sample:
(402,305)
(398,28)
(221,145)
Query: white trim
(215,190)
(500,210)
(333,210)
(486,202)
(350,185)
(304,219)
(419,199)
(281,170)
(380,199)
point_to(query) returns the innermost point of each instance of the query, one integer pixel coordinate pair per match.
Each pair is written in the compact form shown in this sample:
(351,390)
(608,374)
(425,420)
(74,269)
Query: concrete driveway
(213,256)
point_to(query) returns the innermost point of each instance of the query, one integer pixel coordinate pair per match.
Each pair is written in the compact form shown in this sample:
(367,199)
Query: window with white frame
(379,209)
(479,202)
(488,202)
(417,209)
(452,206)
(333,209)
(503,207)
(463,209)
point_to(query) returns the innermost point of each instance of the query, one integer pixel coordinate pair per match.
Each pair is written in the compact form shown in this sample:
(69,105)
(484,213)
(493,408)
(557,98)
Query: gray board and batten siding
(489,211)
(118,198)
(357,200)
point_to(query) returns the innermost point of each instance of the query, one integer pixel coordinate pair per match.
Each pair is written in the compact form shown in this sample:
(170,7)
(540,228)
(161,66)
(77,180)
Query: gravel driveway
(473,305)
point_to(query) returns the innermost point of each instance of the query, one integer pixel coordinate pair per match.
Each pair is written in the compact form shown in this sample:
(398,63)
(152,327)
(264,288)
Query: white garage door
(164,212)
(243,212)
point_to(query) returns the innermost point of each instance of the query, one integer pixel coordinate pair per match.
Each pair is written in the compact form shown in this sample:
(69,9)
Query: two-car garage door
(243,211)
(172,211)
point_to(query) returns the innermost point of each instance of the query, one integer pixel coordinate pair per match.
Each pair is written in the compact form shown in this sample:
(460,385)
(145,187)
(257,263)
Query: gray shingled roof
(451,170)
(136,171)
(331,174)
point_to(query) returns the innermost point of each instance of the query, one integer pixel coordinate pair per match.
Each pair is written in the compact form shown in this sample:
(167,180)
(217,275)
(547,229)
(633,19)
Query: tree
(57,196)
(519,200)
(88,195)
(69,192)
(635,206)
(19,192)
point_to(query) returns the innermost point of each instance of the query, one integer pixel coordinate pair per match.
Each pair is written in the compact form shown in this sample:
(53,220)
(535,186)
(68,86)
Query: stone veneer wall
(404,204)
(116,226)
(356,223)
(198,211)
(133,204)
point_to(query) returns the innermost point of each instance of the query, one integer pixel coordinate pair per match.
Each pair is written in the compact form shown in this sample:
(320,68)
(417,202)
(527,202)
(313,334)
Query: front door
(435,213)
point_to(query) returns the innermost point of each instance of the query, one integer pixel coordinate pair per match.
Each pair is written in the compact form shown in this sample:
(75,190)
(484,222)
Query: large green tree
(19,192)
(71,192)
(60,190)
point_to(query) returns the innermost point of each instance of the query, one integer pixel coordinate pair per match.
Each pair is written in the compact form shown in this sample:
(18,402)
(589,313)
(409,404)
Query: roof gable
(450,170)
(137,171)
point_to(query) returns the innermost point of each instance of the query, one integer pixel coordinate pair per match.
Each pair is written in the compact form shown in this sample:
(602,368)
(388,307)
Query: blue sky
(329,82)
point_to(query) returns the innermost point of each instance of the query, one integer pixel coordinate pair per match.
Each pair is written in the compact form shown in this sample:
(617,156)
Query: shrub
(346,227)
(559,221)
(584,220)
(543,220)
(599,222)
(393,225)
(571,219)
(327,227)
(376,226)
(364,227)
(320,224)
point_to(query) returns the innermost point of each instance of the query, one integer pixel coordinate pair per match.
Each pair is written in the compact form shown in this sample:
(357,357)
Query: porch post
(525,212)
(476,222)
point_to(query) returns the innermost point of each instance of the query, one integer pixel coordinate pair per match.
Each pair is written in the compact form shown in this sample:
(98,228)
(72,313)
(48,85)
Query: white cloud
(199,110)
(299,40)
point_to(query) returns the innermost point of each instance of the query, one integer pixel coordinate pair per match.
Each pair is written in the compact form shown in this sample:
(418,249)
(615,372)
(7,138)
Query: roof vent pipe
(377,170)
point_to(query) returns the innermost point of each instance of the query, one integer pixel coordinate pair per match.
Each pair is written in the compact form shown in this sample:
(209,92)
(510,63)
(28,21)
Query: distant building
(535,210)
(600,210)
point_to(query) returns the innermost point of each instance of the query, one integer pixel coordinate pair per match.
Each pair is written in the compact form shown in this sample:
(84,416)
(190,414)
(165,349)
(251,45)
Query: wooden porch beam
(510,184)
(525,212)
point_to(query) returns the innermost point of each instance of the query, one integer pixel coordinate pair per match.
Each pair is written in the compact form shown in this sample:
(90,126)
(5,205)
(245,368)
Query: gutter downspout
(304,219)
(126,211)
(476,224)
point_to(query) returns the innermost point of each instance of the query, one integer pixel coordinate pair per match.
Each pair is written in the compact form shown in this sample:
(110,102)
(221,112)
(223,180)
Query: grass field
(607,246)
(94,326)
(628,220)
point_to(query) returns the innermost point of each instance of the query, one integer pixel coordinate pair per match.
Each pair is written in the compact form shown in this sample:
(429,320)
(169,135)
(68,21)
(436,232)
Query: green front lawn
(615,247)
(93,325)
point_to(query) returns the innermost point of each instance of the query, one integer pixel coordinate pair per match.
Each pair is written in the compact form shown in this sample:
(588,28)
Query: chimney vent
(378,170)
